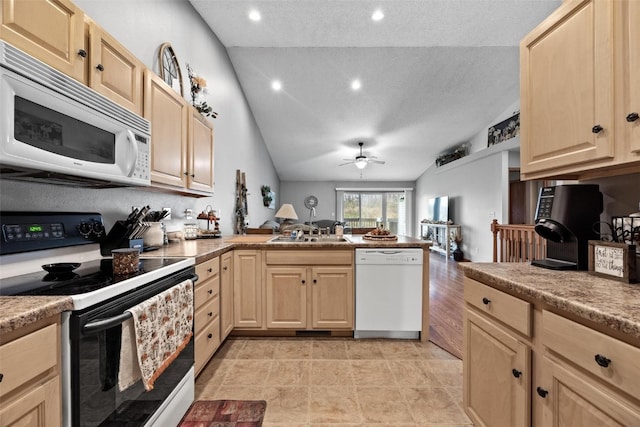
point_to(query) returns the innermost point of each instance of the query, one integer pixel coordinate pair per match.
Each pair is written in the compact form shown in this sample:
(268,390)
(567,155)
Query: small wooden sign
(613,261)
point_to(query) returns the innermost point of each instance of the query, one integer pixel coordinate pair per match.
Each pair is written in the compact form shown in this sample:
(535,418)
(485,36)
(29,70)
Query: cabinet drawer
(508,309)
(582,346)
(311,257)
(27,357)
(206,291)
(208,269)
(206,343)
(206,314)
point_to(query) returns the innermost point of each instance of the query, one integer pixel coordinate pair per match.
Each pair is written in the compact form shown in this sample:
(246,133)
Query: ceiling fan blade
(348,163)
(380,162)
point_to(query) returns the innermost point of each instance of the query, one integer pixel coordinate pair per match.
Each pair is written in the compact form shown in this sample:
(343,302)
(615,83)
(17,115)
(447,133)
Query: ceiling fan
(361,161)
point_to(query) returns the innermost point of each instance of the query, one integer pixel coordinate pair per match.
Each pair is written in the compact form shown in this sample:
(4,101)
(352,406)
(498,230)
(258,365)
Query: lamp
(361,162)
(287,213)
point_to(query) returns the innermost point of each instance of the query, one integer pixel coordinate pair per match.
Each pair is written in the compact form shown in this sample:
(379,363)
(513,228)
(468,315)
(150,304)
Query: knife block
(115,239)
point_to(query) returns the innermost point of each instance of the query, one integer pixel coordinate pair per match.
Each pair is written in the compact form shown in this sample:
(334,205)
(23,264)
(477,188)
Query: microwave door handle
(134,159)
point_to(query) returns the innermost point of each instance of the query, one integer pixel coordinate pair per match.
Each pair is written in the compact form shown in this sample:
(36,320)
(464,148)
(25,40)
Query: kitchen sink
(310,239)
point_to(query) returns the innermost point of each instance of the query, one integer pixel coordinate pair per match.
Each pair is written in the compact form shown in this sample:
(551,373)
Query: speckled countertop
(604,301)
(16,312)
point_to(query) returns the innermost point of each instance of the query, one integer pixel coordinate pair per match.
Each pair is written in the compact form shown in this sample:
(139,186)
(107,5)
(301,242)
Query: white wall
(142,26)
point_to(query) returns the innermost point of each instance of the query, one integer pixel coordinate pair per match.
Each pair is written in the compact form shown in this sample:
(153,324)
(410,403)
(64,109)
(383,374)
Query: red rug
(225,413)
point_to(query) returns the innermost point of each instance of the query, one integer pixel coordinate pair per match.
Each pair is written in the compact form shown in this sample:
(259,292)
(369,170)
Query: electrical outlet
(168,217)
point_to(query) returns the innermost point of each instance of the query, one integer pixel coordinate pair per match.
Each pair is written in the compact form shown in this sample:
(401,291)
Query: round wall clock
(168,65)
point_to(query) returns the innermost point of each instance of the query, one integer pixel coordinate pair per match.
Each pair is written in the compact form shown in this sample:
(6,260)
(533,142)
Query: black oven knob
(98,230)
(85,229)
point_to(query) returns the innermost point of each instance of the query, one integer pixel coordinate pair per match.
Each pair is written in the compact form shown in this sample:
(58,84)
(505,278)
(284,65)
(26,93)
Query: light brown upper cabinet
(629,93)
(113,71)
(574,71)
(200,160)
(49,30)
(167,111)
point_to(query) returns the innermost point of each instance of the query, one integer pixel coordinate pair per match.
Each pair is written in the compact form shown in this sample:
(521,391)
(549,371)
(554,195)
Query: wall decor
(458,153)
(504,130)
(170,68)
(267,196)
(197,86)
(612,261)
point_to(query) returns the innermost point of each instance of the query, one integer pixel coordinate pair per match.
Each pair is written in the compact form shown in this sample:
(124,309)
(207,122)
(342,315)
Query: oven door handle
(104,324)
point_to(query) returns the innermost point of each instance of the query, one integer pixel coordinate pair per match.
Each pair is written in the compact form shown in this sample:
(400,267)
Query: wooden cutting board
(250,238)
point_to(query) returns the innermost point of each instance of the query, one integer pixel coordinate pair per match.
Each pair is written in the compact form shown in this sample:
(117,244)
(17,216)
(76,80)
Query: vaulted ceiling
(433,73)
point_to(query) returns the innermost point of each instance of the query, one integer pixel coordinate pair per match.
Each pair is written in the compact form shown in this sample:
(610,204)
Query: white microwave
(54,129)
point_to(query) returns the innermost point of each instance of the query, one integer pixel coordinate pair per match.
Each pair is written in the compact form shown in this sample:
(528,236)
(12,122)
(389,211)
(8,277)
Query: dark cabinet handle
(632,117)
(225,268)
(516,373)
(193,176)
(542,392)
(486,300)
(210,291)
(315,281)
(210,336)
(1,377)
(186,173)
(304,281)
(597,129)
(209,270)
(602,361)
(82,53)
(210,313)
(100,67)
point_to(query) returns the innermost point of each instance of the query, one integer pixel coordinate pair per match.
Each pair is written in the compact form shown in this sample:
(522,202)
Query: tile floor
(339,382)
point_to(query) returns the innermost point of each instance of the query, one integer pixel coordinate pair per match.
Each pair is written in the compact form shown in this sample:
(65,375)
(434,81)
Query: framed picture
(613,261)
(504,130)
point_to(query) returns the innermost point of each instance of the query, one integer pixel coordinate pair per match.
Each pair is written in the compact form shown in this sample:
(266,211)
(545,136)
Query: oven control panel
(28,231)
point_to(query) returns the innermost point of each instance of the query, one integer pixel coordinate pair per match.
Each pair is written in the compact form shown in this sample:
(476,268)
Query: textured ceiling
(433,74)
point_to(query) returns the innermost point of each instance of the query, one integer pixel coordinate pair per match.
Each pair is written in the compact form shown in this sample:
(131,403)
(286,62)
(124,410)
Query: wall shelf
(511,145)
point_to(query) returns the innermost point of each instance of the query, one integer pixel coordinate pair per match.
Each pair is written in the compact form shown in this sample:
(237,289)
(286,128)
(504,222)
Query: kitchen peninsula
(549,345)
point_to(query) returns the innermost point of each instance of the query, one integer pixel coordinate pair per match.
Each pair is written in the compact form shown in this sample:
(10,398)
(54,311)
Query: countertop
(607,302)
(16,312)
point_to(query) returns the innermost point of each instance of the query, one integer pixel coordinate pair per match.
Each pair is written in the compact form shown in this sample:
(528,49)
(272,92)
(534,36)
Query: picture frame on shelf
(506,129)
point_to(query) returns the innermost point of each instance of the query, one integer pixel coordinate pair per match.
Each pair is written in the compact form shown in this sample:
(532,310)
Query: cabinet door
(226,294)
(497,375)
(200,171)
(572,400)
(167,112)
(247,289)
(566,84)
(632,42)
(50,30)
(39,407)
(332,297)
(114,72)
(286,297)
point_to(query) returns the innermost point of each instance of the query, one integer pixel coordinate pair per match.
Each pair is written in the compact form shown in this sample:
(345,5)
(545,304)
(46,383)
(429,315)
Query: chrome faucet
(312,212)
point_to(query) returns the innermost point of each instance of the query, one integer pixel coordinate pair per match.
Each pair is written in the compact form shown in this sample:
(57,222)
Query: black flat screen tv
(438,209)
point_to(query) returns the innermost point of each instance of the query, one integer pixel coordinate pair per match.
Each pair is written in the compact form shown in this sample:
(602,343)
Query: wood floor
(446,304)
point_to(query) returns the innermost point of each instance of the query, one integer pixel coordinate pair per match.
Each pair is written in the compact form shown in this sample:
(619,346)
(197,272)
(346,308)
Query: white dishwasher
(388,293)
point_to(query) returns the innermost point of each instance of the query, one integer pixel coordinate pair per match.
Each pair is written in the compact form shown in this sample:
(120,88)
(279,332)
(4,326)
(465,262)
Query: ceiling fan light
(361,163)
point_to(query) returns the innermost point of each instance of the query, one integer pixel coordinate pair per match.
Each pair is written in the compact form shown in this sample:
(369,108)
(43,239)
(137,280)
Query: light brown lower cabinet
(226,294)
(207,312)
(30,386)
(536,367)
(309,289)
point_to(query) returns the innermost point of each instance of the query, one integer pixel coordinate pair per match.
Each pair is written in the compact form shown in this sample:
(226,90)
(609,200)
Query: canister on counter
(125,260)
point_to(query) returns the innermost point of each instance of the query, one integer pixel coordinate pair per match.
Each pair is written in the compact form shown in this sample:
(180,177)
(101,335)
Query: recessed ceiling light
(377,15)
(356,85)
(254,15)
(276,85)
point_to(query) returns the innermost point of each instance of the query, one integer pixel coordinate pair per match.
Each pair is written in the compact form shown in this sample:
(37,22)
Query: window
(364,209)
